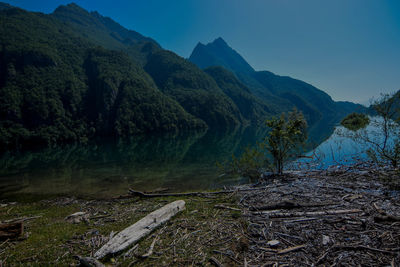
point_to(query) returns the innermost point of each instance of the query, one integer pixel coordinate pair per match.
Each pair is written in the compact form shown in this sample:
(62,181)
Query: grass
(190,238)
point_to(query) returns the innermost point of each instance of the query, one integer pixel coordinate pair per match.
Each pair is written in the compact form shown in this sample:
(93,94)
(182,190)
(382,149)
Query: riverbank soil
(342,217)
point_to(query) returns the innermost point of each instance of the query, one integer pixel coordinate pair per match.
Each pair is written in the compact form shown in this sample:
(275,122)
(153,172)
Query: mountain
(58,87)
(251,107)
(105,32)
(5,6)
(176,77)
(218,53)
(196,91)
(269,87)
(74,75)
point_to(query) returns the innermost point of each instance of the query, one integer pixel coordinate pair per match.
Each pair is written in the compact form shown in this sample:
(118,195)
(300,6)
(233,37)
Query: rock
(325,240)
(77,217)
(273,243)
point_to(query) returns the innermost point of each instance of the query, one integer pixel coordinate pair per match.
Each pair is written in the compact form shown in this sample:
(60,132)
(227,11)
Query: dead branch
(218,206)
(287,205)
(216,262)
(150,251)
(274,214)
(290,249)
(142,194)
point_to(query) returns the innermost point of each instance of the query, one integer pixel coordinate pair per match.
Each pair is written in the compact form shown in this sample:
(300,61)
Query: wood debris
(324,218)
(140,229)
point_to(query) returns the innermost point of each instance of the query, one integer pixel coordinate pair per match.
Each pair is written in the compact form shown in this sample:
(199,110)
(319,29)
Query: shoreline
(232,229)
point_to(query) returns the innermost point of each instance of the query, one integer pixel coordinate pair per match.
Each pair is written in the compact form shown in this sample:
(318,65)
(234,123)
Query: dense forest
(75,75)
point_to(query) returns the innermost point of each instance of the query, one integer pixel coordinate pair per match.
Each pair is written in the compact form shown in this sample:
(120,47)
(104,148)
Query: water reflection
(182,162)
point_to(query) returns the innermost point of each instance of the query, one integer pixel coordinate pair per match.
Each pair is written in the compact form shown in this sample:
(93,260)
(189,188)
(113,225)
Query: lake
(178,162)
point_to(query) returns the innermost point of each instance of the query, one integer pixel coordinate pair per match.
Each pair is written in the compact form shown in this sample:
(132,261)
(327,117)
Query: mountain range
(74,75)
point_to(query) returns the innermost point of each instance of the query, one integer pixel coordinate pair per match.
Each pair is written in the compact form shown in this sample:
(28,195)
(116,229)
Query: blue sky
(348,48)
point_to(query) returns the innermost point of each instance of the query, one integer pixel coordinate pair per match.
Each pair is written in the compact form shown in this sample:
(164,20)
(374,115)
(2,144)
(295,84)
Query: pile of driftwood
(324,218)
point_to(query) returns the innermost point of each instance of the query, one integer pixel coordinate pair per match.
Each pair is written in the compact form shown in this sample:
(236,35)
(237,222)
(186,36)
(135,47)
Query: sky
(348,48)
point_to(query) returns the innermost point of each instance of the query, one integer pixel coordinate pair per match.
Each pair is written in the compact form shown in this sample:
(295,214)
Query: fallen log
(143,194)
(140,229)
(11,230)
(275,214)
(288,205)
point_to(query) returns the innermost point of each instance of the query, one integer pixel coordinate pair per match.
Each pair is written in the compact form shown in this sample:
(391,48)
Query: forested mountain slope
(57,87)
(269,87)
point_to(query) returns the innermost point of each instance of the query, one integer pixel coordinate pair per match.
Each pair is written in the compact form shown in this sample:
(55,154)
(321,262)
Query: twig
(23,219)
(290,249)
(216,262)
(225,207)
(150,251)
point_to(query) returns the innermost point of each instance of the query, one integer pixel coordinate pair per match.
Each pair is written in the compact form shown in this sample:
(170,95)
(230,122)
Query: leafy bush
(355,121)
(284,142)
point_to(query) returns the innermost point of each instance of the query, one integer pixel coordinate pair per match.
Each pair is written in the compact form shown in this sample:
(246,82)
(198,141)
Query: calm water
(177,162)
(180,163)
(339,149)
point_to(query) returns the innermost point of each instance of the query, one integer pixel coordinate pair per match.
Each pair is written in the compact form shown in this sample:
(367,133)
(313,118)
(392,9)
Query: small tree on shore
(285,139)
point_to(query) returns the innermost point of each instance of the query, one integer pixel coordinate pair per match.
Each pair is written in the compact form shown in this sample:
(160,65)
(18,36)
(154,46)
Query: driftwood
(143,194)
(11,230)
(275,214)
(23,219)
(140,229)
(357,223)
(89,262)
(287,205)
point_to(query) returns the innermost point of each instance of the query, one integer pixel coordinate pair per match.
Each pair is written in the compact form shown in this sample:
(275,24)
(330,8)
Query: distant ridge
(282,91)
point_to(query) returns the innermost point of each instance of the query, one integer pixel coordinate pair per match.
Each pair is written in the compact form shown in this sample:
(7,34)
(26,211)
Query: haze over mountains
(72,76)
(278,91)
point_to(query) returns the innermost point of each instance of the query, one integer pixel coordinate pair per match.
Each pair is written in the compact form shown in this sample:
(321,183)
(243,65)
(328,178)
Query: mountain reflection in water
(184,162)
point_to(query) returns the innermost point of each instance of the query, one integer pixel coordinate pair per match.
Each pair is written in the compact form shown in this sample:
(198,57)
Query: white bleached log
(140,229)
